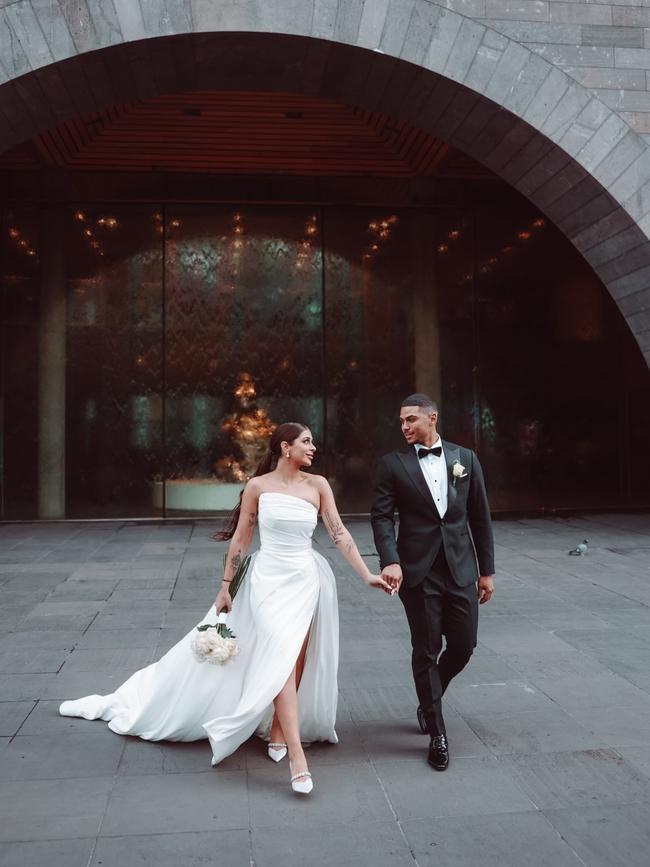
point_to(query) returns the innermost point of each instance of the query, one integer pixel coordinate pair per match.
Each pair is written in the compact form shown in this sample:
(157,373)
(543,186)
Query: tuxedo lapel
(452,454)
(411,464)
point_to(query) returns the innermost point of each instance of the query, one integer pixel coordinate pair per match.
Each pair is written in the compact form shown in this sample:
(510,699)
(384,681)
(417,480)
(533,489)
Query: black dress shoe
(422,723)
(438,756)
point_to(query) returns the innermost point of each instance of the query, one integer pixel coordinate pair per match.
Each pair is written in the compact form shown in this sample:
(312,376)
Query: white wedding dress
(288,592)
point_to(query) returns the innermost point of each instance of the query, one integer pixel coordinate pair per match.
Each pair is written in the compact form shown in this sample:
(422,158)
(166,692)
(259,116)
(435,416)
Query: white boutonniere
(457,472)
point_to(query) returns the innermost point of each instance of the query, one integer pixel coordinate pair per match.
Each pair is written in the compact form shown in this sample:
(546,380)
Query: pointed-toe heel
(302,783)
(277,751)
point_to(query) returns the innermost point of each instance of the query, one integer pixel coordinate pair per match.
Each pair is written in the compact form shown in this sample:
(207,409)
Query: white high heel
(302,782)
(277,751)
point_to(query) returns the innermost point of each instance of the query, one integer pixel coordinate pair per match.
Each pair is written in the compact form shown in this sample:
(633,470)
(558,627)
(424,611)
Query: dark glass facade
(186,331)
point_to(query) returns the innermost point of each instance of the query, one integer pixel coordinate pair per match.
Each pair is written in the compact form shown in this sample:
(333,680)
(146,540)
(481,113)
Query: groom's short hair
(422,400)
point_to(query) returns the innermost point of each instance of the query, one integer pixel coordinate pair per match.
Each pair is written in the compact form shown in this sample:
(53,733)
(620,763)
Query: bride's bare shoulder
(319,482)
(255,486)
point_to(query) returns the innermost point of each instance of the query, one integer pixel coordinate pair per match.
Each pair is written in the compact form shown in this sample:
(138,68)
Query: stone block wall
(604,46)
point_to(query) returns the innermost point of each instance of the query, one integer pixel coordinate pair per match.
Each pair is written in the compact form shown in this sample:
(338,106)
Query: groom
(438,489)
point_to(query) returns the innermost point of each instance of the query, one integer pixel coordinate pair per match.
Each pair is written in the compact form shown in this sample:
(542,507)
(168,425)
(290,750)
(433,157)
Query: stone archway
(486,94)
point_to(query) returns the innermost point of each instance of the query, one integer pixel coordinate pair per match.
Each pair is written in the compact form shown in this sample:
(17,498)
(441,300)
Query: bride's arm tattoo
(235,561)
(252,518)
(334,527)
(338,532)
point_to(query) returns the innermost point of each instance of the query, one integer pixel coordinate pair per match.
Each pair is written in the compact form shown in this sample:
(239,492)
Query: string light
(305,246)
(452,235)
(159,225)
(380,231)
(524,235)
(238,229)
(21,243)
(88,234)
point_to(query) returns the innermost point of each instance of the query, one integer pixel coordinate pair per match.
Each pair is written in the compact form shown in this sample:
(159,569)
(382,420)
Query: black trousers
(437,607)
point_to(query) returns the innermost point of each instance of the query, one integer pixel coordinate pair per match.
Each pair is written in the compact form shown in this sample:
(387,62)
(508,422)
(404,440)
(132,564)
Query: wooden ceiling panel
(228,132)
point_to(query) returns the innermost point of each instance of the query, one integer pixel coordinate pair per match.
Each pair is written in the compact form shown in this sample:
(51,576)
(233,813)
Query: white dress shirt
(434,470)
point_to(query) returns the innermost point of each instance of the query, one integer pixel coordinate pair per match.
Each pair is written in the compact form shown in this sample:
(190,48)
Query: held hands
(378,581)
(223,602)
(485,588)
(392,575)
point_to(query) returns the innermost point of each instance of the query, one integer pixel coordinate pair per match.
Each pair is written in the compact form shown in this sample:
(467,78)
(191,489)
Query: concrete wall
(553,96)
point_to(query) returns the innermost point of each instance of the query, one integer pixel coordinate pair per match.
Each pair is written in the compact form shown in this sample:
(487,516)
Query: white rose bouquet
(216,642)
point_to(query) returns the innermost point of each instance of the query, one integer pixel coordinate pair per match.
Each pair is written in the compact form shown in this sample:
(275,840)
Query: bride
(283,682)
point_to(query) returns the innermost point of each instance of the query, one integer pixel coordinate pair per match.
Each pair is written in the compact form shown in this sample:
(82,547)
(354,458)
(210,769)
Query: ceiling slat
(233,132)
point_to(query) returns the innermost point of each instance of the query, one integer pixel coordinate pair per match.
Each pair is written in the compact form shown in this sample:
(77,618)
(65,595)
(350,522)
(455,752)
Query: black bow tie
(437,451)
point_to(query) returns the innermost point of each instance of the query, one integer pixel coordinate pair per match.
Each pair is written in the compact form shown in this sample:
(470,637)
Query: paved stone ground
(549,726)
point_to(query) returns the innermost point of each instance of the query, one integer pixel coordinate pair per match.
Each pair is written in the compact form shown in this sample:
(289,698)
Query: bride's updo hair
(284,433)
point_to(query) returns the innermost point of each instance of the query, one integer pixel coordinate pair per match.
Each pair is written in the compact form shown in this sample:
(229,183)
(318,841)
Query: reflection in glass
(19,344)
(243,344)
(189,331)
(114,361)
(370,356)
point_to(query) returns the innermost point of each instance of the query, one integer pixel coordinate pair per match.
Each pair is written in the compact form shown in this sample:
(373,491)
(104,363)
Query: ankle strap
(298,776)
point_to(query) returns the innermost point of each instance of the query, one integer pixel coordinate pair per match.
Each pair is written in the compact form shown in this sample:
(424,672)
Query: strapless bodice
(286,522)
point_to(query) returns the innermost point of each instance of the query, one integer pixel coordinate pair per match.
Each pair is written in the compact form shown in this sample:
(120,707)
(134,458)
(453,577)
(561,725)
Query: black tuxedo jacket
(400,484)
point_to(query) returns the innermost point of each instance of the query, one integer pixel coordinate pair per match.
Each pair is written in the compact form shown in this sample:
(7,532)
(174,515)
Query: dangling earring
(286,454)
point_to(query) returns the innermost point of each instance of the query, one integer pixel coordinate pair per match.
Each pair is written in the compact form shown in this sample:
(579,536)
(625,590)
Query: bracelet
(223,581)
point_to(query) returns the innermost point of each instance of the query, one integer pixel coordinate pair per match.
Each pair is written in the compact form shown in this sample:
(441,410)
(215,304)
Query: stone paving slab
(355,845)
(189,849)
(578,779)
(13,714)
(32,660)
(506,840)
(548,730)
(54,853)
(52,809)
(167,803)
(73,756)
(122,639)
(352,794)
(414,794)
(548,724)
(605,836)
